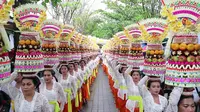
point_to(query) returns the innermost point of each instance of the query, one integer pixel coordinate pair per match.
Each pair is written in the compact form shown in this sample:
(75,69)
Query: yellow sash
(123,87)
(139,99)
(80,96)
(13,105)
(56,106)
(88,86)
(76,101)
(69,93)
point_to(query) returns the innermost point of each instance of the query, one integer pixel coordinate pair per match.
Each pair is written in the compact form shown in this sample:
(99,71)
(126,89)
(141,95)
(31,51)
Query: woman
(66,80)
(153,102)
(122,91)
(28,100)
(73,74)
(180,101)
(85,89)
(79,84)
(52,90)
(134,102)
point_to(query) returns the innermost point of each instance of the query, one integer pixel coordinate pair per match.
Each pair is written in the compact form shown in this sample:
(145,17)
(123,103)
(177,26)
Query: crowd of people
(157,79)
(54,64)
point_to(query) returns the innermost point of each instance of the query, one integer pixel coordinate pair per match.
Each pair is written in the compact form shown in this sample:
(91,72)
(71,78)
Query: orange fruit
(182,46)
(28,42)
(161,52)
(22,42)
(133,48)
(46,45)
(152,52)
(54,45)
(33,42)
(156,52)
(197,47)
(50,45)
(43,45)
(190,47)
(174,47)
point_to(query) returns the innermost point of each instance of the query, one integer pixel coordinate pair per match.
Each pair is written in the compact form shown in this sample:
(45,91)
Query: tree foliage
(121,13)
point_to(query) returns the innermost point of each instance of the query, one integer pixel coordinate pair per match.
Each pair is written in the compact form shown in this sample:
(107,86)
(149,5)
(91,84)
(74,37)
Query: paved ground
(101,97)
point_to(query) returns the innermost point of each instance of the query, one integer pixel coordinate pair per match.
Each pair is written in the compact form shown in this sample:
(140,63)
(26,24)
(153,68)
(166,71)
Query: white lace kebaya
(133,91)
(54,94)
(148,101)
(39,102)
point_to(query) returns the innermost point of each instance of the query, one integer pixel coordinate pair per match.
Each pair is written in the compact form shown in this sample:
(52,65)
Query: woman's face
(82,64)
(136,77)
(76,66)
(64,70)
(27,86)
(123,69)
(48,76)
(155,88)
(71,67)
(187,105)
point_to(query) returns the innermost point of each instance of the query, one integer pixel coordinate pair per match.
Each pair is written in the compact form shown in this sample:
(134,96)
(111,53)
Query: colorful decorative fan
(154,30)
(51,30)
(135,56)
(183,64)
(182,15)
(29,18)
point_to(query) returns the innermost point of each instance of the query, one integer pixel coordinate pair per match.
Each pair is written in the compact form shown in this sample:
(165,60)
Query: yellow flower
(171,18)
(164,12)
(11,2)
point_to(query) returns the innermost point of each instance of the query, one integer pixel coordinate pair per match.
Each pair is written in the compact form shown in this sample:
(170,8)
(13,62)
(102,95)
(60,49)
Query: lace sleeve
(174,99)
(45,105)
(73,83)
(61,95)
(142,88)
(128,70)
(9,89)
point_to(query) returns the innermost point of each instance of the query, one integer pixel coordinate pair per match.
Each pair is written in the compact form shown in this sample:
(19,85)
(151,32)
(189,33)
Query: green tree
(121,13)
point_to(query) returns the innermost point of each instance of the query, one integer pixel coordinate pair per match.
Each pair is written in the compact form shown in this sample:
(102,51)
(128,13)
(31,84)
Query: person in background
(52,90)
(181,100)
(5,101)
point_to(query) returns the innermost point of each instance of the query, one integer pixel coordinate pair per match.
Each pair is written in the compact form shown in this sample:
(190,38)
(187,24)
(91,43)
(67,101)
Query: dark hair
(5,101)
(83,61)
(135,71)
(35,80)
(61,67)
(52,73)
(184,97)
(120,69)
(151,81)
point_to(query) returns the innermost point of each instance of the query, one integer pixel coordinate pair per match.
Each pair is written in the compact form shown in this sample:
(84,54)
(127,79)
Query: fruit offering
(135,56)
(183,68)
(154,63)
(184,61)
(154,31)
(124,47)
(29,57)
(4,62)
(51,29)
(64,51)
(28,19)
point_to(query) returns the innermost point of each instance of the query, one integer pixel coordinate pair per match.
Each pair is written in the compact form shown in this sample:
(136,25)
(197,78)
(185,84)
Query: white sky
(97,4)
